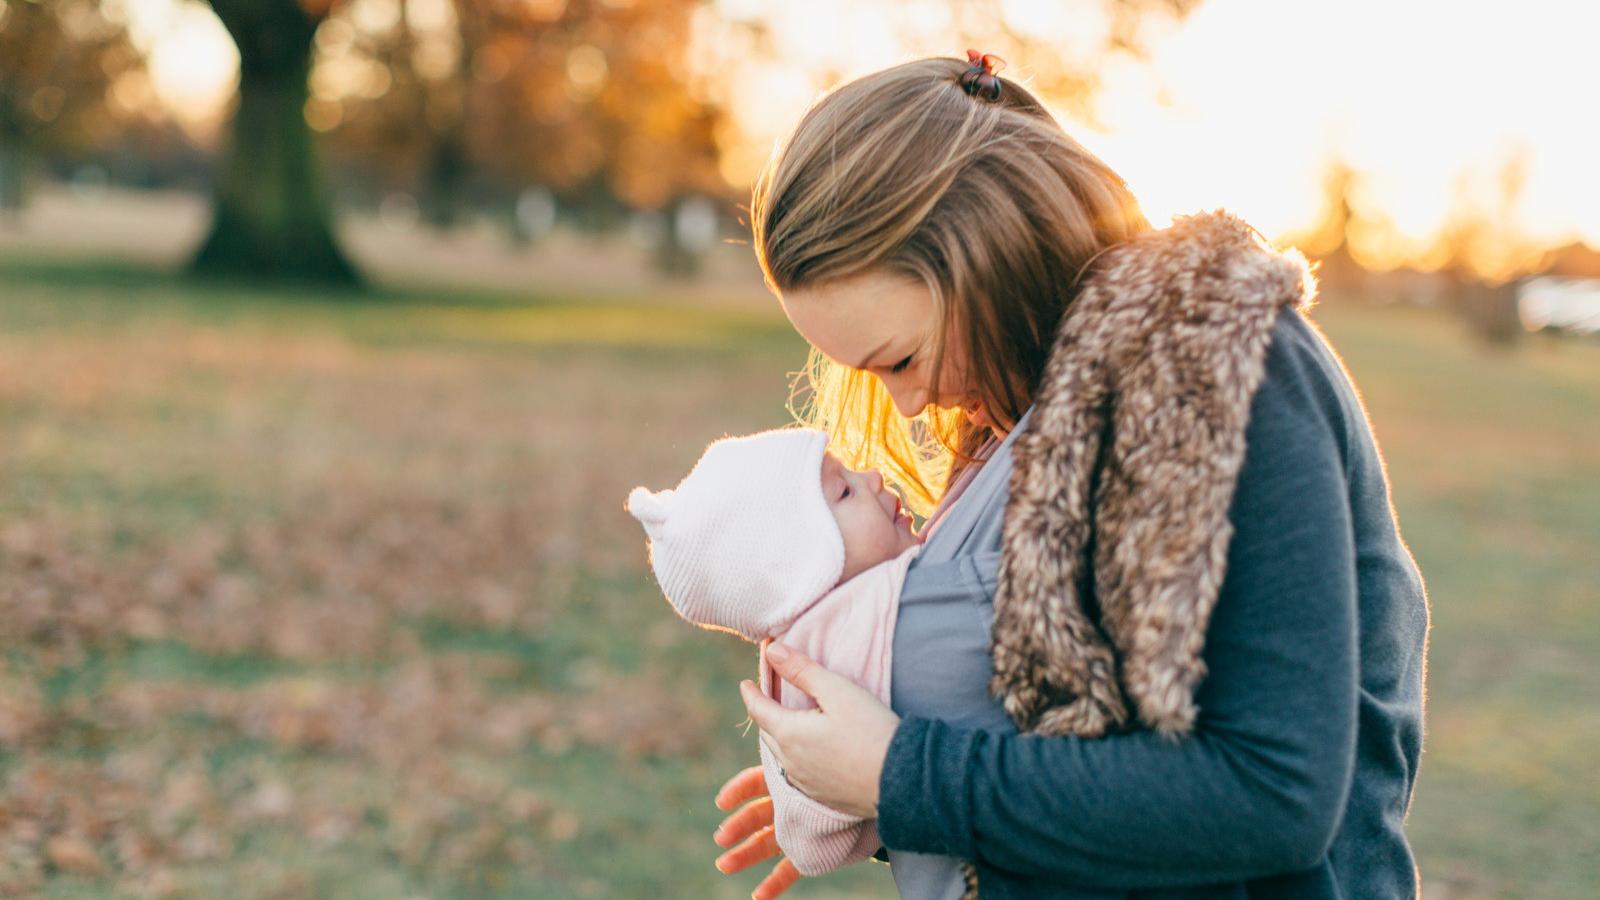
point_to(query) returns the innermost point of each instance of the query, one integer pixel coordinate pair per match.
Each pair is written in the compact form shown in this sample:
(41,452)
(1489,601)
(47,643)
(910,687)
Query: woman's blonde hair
(990,204)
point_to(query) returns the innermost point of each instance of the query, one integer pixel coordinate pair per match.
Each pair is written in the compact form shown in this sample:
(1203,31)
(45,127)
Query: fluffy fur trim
(1116,530)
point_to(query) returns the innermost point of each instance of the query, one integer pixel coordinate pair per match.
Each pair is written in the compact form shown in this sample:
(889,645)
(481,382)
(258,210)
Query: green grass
(333,595)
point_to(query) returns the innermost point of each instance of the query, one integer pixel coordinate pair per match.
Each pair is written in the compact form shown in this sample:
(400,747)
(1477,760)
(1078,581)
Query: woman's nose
(905,397)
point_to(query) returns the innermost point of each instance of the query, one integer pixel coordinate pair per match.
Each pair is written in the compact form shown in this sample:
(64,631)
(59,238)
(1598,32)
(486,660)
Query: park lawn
(317,595)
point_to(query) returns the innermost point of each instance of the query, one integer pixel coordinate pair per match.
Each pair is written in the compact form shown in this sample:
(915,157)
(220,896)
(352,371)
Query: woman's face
(885,324)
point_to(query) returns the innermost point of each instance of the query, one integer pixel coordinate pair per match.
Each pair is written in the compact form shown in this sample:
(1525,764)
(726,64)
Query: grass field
(305,596)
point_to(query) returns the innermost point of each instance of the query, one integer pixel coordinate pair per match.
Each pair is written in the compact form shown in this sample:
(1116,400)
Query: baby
(769,536)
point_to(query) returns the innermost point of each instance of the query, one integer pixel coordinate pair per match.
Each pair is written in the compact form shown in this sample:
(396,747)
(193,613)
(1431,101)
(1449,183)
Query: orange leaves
(271,592)
(73,855)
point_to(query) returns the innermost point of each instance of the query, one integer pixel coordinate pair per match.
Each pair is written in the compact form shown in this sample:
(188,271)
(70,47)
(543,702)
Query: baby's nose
(875,478)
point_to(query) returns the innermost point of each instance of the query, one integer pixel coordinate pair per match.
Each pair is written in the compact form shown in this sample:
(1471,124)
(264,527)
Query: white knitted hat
(746,541)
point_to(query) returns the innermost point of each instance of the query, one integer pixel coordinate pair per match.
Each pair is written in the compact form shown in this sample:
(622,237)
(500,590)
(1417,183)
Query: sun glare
(193,63)
(1246,104)
(1250,101)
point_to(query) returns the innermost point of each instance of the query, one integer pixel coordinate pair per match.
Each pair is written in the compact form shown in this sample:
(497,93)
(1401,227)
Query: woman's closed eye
(901,365)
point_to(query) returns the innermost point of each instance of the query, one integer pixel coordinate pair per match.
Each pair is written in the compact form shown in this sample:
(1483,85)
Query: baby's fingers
(758,846)
(735,828)
(783,877)
(749,783)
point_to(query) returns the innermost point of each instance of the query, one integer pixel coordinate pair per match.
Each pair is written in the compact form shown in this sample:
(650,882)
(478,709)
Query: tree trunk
(13,178)
(271,218)
(444,180)
(673,258)
(1489,310)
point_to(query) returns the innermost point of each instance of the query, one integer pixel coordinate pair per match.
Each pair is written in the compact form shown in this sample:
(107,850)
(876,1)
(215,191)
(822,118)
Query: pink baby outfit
(747,543)
(849,631)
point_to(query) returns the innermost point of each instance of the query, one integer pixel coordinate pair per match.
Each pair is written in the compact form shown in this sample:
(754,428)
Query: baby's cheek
(861,546)
(892,541)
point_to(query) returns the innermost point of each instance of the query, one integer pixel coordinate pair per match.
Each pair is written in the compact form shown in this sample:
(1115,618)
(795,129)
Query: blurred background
(333,334)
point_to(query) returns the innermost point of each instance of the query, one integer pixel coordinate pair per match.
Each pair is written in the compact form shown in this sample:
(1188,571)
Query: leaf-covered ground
(305,596)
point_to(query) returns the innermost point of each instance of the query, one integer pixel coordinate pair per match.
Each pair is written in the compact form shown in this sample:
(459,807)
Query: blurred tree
(1574,260)
(470,101)
(1482,252)
(1329,243)
(585,97)
(1071,77)
(59,61)
(271,216)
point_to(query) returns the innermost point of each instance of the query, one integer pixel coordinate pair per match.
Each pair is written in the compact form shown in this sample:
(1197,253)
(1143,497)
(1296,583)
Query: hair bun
(981,80)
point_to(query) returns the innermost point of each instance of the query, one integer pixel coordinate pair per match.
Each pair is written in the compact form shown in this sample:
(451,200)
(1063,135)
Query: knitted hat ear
(650,509)
(747,541)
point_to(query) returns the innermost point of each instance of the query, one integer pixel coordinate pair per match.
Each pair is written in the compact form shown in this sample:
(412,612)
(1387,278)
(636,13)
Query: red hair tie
(981,80)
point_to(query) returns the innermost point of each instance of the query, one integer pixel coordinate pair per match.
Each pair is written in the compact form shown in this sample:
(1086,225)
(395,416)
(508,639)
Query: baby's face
(874,526)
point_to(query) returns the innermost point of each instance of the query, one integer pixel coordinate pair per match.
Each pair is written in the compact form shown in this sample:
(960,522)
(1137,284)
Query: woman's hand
(751,829)
(833,754)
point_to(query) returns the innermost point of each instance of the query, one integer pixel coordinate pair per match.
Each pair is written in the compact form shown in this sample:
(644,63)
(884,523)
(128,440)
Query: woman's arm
(1259,787)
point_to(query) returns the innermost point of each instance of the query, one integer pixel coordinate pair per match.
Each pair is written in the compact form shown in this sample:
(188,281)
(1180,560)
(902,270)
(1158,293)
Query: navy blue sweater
(1297,776)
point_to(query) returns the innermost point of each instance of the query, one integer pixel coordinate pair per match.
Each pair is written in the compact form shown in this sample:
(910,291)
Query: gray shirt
(946,607)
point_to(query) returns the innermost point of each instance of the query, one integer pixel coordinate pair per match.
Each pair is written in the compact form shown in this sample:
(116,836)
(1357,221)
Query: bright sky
(1242,105)
(1422,98)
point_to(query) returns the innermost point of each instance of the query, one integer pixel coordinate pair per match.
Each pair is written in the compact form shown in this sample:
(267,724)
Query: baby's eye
(846,492)
(901,365)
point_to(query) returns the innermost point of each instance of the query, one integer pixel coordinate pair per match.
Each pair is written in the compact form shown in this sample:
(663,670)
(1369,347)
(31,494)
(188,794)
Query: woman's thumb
(797,668)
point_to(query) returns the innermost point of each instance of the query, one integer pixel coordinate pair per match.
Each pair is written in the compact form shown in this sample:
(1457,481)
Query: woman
(1164,638)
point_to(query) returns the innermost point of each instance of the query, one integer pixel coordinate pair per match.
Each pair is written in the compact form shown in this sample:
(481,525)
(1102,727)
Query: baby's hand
(752,826)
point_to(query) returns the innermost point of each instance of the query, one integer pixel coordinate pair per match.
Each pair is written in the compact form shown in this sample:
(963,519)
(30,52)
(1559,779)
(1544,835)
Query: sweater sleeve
(816,838)
(1258,787)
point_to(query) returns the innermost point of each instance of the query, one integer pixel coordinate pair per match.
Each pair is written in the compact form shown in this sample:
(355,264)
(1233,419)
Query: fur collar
(1116,529)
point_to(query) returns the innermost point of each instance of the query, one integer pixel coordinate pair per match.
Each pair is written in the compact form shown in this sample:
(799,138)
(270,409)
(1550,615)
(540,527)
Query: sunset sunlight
(1246,103)
(874,448)
(1433,98)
